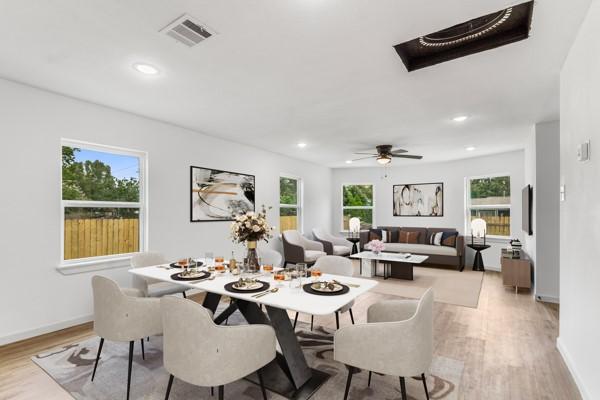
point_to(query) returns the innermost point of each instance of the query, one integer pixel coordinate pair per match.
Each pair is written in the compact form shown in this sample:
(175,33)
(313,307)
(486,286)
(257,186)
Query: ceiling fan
(385,154)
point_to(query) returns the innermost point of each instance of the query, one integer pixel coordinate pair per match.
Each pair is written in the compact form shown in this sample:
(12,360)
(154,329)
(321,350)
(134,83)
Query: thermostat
(583,151)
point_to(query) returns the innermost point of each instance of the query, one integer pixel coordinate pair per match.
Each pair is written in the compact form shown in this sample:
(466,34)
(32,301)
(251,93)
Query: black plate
(175,265)
(307,288)
(229,287)
(203,275)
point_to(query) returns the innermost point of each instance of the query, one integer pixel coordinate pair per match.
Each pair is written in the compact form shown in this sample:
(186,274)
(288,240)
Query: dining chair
(335,265)
(332,245)
(270,256)
(123,315)
(152,287)
(224,355)
(298,249)
(400,334)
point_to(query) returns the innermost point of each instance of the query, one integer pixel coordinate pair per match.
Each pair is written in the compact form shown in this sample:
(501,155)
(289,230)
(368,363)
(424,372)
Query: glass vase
(252,257)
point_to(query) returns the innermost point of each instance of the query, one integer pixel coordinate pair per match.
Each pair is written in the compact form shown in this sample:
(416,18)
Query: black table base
(289,374)
(397,270)
(478,260)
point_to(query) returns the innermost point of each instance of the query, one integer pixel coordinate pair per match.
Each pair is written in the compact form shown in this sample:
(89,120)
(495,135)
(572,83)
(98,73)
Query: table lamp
(354,225)
(478,229)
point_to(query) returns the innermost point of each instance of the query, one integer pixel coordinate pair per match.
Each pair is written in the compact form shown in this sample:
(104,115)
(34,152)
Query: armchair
(400,341)
(298,249)
(152,287)
(333,245)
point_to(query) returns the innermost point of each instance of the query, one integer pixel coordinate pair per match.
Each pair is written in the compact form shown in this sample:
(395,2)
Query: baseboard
(571,366)
(497,269)
(547,299)
(15,337)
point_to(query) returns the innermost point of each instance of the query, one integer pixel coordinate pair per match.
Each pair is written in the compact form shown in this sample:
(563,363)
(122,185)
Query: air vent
(188,31)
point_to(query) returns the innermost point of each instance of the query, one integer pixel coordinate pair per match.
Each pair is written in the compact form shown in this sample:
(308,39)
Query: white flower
(256,228)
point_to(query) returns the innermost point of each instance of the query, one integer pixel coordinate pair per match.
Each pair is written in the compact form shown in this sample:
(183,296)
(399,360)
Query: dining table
(289,373)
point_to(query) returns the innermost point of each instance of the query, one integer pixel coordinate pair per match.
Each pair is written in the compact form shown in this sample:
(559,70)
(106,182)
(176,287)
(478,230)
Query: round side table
(478,261)
(354,241)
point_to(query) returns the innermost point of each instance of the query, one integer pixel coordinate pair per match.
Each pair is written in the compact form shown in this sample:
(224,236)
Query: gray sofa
(438,255)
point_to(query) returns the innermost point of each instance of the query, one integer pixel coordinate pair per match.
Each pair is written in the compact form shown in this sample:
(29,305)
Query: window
(102,202)
(488,198)
(357,201)
(290,204)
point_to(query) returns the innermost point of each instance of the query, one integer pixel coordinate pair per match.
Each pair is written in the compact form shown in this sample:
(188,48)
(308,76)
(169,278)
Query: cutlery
(348,284)
(256,296)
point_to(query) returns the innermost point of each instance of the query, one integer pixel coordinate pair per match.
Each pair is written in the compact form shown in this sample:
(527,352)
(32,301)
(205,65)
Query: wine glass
(302,271)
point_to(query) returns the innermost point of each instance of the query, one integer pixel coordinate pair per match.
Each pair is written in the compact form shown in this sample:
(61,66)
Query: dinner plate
(259,286)
(176,265)
(325,289)
(308,289)
(190,277)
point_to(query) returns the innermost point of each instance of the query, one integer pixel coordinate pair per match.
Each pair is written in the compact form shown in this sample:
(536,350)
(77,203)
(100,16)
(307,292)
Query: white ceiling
(279,72)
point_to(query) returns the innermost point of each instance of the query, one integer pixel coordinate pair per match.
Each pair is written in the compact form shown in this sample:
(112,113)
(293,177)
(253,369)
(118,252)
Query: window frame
(113,260)
(469,206)
(372,207)
(299,206)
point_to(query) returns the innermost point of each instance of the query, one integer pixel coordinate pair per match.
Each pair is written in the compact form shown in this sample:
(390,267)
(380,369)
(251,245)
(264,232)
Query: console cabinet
(516,272)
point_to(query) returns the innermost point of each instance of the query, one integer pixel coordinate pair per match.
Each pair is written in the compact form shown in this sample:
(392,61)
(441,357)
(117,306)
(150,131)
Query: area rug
(71,367)
(449,285)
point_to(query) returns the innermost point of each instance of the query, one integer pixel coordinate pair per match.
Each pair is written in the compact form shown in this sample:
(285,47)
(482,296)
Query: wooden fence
(100,237)
(289,222)
(498,225)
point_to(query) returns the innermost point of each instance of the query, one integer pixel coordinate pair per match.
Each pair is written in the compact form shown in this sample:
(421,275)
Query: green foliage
(288,191)
(365,215)
(93,180)
(358,195)
(490,187)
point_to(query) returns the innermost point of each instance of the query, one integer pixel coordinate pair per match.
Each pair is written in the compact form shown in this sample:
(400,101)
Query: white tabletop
(285,297)
(395,257)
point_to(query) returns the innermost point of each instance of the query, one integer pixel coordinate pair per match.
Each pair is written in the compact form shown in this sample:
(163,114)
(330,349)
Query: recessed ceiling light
(460,118)
(470,148)
(348,161)
(145,68)
(301,145)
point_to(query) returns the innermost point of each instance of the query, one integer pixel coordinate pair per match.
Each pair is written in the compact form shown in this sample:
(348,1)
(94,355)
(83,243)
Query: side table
(478,261)
(354,241)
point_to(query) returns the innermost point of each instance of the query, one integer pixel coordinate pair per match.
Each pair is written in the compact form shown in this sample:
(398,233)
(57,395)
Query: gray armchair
(333,245)
(298,249)
(269,256)
(123,315)
(152,287)
(400,334)
(221,355)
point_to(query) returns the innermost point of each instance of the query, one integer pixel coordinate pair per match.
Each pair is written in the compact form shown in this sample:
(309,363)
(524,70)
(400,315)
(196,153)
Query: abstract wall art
(419,200)
(217,195)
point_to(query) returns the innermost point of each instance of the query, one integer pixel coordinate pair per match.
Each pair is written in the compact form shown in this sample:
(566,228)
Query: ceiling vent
(188,31)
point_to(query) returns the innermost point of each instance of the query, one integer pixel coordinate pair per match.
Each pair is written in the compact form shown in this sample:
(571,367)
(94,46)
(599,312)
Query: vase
(252,257)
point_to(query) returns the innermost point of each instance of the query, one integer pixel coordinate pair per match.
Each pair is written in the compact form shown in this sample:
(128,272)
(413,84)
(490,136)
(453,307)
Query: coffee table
(395,265)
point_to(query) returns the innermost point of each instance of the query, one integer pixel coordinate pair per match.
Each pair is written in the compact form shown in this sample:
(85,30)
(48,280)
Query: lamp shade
(478,227)
(354,224)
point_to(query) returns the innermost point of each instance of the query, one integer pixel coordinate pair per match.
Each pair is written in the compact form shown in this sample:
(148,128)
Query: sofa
(421,239)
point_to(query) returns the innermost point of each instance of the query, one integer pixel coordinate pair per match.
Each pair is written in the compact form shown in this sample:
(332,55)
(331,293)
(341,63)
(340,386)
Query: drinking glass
(294,278)
(315,274)
(268,268)
(302,271)
(279,277)
(209,260)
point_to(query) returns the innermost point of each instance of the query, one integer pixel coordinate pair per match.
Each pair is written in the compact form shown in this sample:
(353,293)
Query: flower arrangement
(376,246)
(251,227)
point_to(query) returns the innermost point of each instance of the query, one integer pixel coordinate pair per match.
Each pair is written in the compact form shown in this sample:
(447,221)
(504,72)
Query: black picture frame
(396,213)
(213,171)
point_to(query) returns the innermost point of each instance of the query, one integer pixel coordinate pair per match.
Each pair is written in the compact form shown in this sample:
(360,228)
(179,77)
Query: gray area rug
(71,367)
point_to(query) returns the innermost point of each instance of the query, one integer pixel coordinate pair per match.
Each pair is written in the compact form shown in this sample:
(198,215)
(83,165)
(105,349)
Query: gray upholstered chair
(397,341)
(333,245)
(335,265)
(298,249)
(270,256)
(221,357)
(152,287)
(123,315)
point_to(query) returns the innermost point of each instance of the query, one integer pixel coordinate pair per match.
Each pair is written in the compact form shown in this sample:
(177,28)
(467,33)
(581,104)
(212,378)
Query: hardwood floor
(507,345)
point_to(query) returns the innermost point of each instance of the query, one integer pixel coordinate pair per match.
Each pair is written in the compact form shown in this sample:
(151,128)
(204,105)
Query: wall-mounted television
(527,209)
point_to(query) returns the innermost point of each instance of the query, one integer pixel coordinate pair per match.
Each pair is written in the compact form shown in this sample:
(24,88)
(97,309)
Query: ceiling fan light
(383,159)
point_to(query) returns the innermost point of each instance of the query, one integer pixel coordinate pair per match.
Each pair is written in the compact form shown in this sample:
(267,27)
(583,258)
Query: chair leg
(425,386)
(184,295)
(129,368)
(403,388)
(312,320)
(285,263)
(351,316)
(348,381)
(143,352)
(337,320)
(148,339)
(369,382)
(97,358)
(169,387)
(262,384)
(212,390)
(295,320)
(221,392)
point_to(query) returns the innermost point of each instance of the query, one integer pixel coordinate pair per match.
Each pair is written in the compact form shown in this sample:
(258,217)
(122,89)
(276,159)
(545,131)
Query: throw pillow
(436,239)
(449,239)
(413,237)
(403,237)
(375,234)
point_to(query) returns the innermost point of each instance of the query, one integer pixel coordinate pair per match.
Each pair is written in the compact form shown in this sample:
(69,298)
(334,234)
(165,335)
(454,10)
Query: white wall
(34,296)
(453,175)
(580,213)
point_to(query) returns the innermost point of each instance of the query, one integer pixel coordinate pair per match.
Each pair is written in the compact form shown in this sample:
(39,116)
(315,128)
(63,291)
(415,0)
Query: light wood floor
(507,345)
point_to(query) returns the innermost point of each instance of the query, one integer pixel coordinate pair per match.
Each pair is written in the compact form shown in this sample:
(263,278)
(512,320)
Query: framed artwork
(217,195)
(419,200)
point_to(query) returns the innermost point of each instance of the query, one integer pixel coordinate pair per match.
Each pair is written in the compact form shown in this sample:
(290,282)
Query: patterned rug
(71,367)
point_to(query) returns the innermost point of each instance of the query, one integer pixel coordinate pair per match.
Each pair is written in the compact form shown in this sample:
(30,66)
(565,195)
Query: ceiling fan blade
(407,156)
(366,154)
(399,151)
(364,158)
